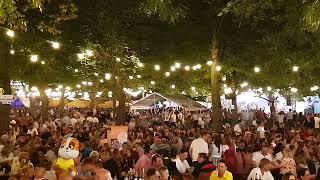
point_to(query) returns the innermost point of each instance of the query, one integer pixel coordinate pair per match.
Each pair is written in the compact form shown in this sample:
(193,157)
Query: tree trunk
(62,100)
(234,101)
(121,109)
(44,103)
(93,100)
(216,121)
(4,82)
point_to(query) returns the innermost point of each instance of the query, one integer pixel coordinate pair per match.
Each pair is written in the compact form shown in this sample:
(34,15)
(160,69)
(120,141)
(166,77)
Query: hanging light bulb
(256,69)
(76,70)
(89,53)
(130,77)
(295,68)
(107,76)
(118,59)
(138,76)
(152,82)
(34,58)
(187,68)
(224,78)
(55,45)
(167,74)
(209,63)
(96,74)
(177,65)
(80,56)
(10,33)
(172,68)
(101,80)
(12,52)
(173,86)
(157,67)
(218,68)
(43,62)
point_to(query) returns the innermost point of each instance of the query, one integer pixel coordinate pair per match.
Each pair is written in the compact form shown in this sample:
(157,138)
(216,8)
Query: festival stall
(79,104)
(107,105)
(156,100)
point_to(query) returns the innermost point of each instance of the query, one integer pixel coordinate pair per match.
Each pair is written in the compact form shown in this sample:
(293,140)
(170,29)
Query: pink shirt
(143,162)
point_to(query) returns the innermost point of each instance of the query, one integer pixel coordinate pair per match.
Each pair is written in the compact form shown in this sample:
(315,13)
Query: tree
(36,16)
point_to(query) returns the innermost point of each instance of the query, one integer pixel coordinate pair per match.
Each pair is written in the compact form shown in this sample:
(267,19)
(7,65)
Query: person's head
(202,157)
(183,155)
(40,170)
(156,161)
(205,135)
(264,148)
(221,167)
(288,176)
(287,153)
(152,174)
(265,164)
(164,173)
(148,152)
(89,168)
(303,174)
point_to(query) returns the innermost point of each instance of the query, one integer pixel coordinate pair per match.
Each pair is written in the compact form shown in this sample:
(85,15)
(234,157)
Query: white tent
(156,99)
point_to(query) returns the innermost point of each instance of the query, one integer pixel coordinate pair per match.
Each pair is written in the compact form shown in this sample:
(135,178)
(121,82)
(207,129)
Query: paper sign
(6,99)
(119,133)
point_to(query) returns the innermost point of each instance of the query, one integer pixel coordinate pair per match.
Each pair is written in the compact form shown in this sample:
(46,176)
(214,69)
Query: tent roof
(182,101)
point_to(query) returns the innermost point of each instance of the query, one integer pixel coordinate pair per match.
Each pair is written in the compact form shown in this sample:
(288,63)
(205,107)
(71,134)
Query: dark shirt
(112,166)
(204,167)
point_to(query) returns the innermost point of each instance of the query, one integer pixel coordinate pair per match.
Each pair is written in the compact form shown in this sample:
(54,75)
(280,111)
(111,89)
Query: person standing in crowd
(199,145)
(181,162)
(262,172)
(263,153)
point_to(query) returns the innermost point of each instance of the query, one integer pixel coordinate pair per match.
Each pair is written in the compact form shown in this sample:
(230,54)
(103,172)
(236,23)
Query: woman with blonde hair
(288,164)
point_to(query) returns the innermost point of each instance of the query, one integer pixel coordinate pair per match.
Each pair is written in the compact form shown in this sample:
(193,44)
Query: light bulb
(118,59)
(10,33)
(173,86)
(34,58)
(157,67)
(138,76)
(256,69)
(187,68)
(209,63)
(12,51)
(172,68)
(107,76)
(167,74)
(55,45)
(295,68)
(218,68)
(89,53)
(177,65)
(152,82)
(130,77)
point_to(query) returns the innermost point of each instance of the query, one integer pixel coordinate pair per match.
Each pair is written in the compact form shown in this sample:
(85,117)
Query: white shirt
(73,121)
(95,120)
(198,146)
(182,166)
(279,156)
(173,117)
(90,119)
(66,120)
(218,152)
(316,122)
(31,131)
(81,119)
(280,118)
(237,129)
(257,156)
(261,131)
(256,174)
(289,115)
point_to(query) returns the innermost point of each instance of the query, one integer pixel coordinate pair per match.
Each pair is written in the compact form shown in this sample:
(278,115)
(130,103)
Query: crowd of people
(164,144)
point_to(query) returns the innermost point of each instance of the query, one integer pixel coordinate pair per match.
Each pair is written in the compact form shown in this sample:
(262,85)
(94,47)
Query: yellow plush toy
(68,151)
